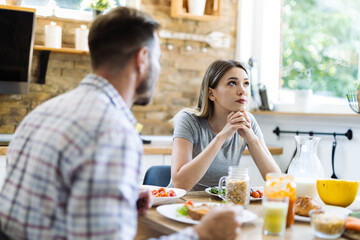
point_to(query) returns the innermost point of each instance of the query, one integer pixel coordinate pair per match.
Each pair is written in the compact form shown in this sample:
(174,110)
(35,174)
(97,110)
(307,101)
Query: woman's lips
(242,101)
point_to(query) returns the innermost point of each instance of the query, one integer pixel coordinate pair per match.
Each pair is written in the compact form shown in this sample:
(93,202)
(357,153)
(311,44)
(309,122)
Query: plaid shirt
(73,166)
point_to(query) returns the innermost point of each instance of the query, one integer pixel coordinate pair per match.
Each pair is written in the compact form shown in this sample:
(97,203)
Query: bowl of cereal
(327,225)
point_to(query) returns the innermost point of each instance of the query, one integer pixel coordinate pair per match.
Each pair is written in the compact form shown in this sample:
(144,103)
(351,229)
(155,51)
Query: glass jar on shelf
(279,185)
(236,185)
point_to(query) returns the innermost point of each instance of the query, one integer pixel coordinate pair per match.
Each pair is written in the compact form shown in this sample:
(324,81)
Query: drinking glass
(275,211)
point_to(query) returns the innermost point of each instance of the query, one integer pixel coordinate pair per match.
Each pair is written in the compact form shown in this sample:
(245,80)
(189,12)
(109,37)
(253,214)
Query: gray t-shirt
(198,132)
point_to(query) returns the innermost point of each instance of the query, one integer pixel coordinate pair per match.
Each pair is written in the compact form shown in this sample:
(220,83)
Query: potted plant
(303,91)
(98,6)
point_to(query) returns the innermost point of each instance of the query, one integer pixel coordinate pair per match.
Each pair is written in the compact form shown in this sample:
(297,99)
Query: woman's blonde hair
(213,74)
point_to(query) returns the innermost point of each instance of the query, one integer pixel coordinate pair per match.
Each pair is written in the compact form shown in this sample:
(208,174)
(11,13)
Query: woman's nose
(241,90)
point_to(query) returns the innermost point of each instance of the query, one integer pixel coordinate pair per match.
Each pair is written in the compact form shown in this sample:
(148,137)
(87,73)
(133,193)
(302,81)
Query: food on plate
(337,192)
(256,194)
(353,223)
(215,190)
(304,204)
(197,212)
(194,212)
(161,192)
(352,226)
(253,193)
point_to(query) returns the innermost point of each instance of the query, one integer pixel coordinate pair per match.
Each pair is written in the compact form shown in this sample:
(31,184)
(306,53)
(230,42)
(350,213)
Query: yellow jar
(282,185)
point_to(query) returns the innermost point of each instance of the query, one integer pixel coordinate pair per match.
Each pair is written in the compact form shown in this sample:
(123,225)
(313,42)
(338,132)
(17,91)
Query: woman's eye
(232,83)
(247,83)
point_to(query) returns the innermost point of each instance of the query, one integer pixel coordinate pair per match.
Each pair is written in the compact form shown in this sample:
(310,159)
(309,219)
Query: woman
(210,139)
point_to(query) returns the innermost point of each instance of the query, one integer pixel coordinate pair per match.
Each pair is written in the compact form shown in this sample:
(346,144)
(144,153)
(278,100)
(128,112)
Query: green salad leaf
(215,190)
(182,211)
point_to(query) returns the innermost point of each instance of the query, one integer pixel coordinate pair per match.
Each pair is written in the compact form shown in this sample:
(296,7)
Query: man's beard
(144,90)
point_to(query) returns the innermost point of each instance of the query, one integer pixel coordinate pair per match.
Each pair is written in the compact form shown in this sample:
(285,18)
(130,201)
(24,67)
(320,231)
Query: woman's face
(232,92)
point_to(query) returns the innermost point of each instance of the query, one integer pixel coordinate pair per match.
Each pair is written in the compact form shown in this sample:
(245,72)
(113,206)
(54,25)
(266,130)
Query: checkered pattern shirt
(73,166)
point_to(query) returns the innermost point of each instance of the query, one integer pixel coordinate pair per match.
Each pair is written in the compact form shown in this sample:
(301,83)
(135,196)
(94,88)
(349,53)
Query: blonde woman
(212,137)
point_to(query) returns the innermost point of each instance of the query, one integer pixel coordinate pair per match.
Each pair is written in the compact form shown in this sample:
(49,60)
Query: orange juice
(282,185)
(275,211)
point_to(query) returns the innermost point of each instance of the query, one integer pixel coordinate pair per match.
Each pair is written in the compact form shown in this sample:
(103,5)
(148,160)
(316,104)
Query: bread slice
(304,204)
(197,212)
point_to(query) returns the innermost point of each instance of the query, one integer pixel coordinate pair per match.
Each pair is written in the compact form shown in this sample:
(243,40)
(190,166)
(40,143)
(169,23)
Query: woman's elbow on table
(181,184)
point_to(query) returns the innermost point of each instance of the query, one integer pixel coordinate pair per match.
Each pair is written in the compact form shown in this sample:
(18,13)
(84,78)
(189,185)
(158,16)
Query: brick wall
(177,86)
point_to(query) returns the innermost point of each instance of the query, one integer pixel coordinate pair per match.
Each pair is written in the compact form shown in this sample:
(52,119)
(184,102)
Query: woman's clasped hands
(239,122)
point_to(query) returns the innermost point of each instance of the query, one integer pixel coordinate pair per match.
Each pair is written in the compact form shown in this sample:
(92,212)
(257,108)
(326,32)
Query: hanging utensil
(333,157)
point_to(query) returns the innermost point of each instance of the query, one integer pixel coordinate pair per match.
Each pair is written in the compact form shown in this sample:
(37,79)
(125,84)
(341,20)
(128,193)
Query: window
(314,43)
(68,4)
(321,45)
(71,9)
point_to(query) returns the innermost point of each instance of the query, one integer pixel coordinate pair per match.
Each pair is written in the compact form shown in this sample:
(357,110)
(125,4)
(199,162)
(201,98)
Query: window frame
(258,37)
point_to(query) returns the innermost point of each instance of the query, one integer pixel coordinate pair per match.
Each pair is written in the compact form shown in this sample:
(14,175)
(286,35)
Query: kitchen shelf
(60,50)
(179,9)
(44,58)
(17,8)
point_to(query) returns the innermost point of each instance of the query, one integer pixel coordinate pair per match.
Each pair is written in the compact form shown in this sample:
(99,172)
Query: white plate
(169,211)
(327,209)
(207,190)
(165,200)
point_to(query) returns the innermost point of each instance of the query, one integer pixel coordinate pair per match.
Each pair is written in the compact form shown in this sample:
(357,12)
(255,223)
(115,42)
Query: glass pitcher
(237,186)
(306,167)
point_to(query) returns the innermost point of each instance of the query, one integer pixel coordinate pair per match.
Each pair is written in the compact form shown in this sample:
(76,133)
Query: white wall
(347,156)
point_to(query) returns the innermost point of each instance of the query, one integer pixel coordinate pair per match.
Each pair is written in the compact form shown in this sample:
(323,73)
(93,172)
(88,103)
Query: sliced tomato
(172,193)
(255,194)
(189,203)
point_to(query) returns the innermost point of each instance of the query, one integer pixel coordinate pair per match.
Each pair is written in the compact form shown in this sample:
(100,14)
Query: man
(74,161)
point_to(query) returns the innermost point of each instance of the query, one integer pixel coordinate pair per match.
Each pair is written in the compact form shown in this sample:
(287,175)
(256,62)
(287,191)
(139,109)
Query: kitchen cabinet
(179,9)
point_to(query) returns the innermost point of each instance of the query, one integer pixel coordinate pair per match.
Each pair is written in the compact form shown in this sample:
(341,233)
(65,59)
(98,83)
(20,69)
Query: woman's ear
(211,94)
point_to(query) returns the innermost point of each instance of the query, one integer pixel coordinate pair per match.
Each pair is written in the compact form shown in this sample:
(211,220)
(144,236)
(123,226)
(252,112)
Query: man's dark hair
(115,37)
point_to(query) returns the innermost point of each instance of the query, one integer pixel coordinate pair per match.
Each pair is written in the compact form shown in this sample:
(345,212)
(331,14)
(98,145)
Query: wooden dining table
(153,224)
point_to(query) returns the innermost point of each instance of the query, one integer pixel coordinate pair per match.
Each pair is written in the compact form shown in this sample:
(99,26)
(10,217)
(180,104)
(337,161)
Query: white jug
(306,167)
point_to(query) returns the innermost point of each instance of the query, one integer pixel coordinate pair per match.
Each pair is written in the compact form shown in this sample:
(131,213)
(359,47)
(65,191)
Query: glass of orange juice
(275,212)
(279,185)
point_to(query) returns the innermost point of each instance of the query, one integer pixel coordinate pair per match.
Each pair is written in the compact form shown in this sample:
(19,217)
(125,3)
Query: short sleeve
(185,126)
(255,126)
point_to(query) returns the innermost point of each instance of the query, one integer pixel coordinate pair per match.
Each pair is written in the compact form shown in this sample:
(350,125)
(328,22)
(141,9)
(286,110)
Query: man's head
(124,35)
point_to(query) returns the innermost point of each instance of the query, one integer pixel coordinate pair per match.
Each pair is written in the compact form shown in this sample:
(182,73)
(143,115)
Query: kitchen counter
(161,145)
(165,148)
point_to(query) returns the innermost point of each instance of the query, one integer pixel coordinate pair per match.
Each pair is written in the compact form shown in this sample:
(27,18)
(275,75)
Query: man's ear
(211,94)
(142,60)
